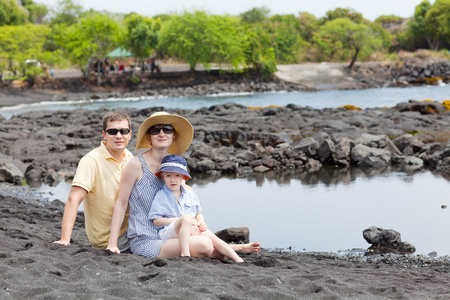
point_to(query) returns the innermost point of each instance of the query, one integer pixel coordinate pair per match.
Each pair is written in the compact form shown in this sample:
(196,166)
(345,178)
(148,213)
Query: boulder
(308,146)
(10,173)
(342,154)
(364,156)
(408,145)
(423,107)
(386,240)
(239,235)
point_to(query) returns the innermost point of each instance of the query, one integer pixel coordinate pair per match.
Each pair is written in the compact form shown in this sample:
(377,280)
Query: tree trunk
(99,72)
(133,74)
(434,45)
(354,58)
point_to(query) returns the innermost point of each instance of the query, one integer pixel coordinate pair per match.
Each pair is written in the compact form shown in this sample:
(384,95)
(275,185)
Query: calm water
(323,99)
(315,212)
(310,214)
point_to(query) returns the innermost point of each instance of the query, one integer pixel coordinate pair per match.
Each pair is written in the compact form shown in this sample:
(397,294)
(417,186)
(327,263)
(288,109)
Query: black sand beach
(32,267)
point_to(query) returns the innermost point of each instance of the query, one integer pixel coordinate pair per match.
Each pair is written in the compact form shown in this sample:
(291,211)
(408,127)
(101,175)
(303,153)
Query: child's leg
(183,227)
(221,247)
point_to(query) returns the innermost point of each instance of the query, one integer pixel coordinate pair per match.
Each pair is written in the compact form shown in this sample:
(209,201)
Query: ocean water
(382,97)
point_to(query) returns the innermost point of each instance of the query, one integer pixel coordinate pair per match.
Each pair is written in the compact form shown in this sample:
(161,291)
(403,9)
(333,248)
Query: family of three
(142,204)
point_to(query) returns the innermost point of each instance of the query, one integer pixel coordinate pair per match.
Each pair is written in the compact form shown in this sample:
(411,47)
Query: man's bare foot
(250,247)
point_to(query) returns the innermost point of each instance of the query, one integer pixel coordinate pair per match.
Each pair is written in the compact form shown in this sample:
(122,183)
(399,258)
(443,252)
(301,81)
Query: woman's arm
(130,174)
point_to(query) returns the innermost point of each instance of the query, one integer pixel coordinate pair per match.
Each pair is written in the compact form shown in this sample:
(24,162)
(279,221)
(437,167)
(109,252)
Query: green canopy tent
(120,52)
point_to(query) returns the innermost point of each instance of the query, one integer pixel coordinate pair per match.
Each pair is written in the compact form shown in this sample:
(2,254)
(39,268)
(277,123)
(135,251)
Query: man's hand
(113,249)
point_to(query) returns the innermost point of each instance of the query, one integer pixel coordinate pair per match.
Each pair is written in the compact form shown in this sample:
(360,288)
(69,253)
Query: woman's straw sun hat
(183,130)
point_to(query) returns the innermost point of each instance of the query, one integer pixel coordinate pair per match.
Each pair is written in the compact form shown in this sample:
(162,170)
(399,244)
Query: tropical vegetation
(254,40)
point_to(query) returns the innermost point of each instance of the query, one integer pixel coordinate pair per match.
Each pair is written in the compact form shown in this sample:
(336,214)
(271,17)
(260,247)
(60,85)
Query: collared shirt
(99,174)
(165,204)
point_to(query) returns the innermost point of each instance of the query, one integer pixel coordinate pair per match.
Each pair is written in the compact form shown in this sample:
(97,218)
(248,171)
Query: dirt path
(323,76)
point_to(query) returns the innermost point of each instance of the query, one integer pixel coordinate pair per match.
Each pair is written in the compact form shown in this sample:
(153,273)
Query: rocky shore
(233,139)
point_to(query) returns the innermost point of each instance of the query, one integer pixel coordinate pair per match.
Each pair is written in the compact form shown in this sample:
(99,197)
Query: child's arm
(201,222)
(163,221)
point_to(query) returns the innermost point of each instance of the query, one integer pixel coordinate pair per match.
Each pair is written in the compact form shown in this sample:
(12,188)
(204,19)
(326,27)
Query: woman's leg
(199,246)
(221,247)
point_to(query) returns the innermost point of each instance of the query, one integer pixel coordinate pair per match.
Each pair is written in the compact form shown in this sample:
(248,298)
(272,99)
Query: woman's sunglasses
(155,129)
(113,131)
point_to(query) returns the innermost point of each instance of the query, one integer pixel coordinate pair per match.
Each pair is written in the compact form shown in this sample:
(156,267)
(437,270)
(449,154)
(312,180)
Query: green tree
(199,38)
(36,12)
(18,43)
(437,22)
(255,15)
(344,38)
(286,39)
(141,36)
(338,13)
(307,25)
(257,48)
(92,37)
(417,28)
(67,12)
(12,13)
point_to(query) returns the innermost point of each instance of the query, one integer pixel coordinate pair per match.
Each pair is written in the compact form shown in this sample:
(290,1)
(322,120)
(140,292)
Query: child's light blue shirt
(165,204)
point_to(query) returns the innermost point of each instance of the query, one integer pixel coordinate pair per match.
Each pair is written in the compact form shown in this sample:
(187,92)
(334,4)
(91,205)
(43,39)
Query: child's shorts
(168,232)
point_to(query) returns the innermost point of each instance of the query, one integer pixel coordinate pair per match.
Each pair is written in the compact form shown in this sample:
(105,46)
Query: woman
(162,133)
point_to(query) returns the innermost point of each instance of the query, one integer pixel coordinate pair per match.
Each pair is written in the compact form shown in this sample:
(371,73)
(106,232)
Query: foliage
(344,39)
(338,13)
(36,12)
(255,15)
(286,40)
(67,12)
(385,19)
(12,14)
(257,51)
(199,38)
(430,26)
(437,20)
(18,43)
(141,35)
(92,36)
(307,25)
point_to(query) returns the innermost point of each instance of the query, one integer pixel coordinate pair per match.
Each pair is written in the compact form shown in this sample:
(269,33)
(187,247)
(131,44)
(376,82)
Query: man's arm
(76,196)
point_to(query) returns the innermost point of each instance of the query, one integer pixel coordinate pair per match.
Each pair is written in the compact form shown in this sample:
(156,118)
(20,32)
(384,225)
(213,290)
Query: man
(97,182)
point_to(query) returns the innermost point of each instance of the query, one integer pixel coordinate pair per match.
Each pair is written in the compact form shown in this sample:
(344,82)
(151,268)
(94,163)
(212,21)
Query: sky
(370,9)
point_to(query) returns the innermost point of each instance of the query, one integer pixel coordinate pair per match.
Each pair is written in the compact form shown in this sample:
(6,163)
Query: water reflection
(327,176)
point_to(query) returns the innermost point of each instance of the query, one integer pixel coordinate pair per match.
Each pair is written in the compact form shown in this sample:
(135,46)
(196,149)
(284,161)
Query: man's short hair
(113,116)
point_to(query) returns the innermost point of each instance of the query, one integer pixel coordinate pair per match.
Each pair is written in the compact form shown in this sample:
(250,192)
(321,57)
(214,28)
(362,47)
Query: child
(176,211)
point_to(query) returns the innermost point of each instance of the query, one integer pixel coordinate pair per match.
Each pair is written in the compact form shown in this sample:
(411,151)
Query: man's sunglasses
(113,131)
(167,129)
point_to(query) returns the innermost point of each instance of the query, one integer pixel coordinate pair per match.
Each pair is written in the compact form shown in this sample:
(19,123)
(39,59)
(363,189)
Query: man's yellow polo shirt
(99,174)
